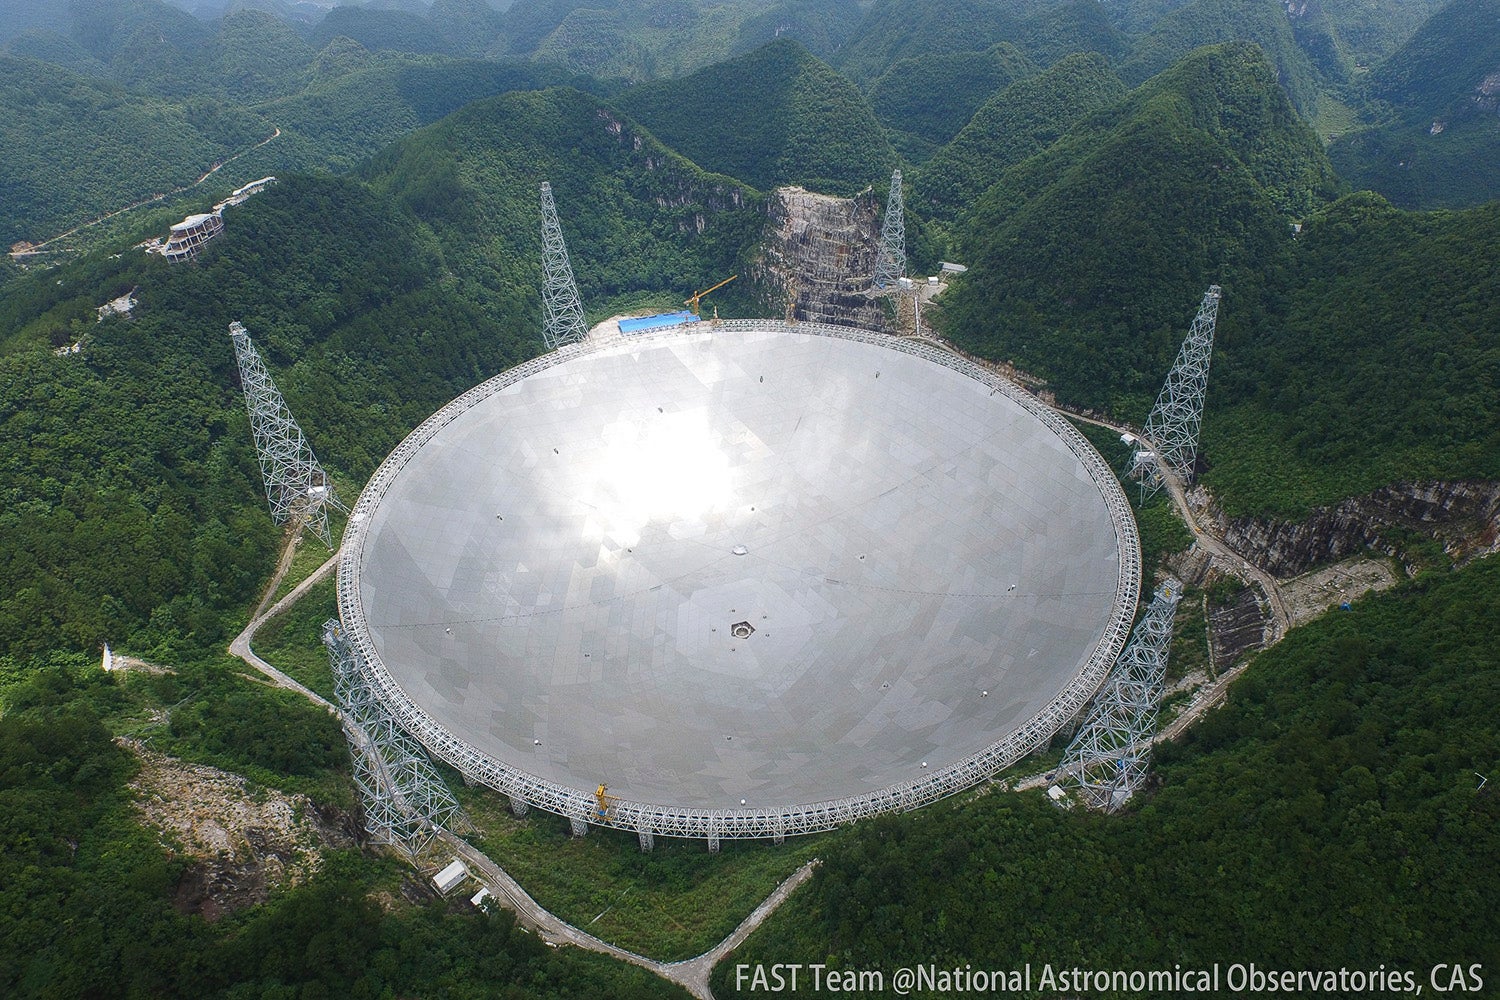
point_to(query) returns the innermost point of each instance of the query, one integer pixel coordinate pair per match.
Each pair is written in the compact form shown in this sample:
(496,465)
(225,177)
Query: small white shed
(451,877)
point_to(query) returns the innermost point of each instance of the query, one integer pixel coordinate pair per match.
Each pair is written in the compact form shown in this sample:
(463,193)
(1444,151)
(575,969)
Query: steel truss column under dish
(1172,427)
(563,322)
(1108,758)
(404,798)
(296,485)
(890,259)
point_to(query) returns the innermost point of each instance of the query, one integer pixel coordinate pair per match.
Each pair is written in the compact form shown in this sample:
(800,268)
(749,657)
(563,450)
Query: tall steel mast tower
(1108,757)
(404,798)
(564,323)
(890,259)
(1172,428)
(296,485)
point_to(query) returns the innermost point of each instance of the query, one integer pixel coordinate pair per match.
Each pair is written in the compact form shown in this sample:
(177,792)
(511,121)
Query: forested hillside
(1207,22)
(133,510)
(646,39)
(357,102)
(1020,121)
(775,116)
(1364,354)
(1339,779)
(933,96)
(82,146)
(76,147)
(1435,119)
(638,217)
(1089,258)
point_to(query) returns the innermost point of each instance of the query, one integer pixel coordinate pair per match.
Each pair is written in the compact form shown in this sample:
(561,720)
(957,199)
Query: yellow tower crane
(605,800)
(692,301)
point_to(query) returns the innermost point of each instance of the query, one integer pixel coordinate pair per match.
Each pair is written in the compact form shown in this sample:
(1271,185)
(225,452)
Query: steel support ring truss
(648,819)
(404,798)
(1108,758)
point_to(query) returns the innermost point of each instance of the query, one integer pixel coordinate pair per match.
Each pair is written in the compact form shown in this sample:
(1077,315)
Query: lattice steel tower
(1108,758)
(296,485)
(564,322)
(404,798)
(1172,428)
(890,258)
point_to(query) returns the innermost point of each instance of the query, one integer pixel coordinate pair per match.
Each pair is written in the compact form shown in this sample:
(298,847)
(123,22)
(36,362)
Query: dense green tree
(933,96)
(1089,258)
(1020,121)
(775,116)
(1209,22)
(1434,133)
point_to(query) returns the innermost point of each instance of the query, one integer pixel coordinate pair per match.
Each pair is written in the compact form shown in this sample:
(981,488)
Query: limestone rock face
(1463,516)
(818,254)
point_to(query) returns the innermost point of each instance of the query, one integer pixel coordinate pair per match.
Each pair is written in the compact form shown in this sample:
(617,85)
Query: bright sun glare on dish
(670,468)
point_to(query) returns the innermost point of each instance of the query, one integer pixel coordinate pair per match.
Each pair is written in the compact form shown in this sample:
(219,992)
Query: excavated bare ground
(241,841)
(1313,594)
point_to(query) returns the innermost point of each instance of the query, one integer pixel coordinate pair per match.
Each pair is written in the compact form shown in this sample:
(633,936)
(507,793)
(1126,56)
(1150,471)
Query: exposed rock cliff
(818,253)
(1464,517)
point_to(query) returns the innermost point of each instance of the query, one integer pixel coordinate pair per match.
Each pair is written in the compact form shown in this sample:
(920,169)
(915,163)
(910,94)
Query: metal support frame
(890,258)
(297,488)
(775,823)
(404,798)
(563,322)
(1108,758)
(1172,428)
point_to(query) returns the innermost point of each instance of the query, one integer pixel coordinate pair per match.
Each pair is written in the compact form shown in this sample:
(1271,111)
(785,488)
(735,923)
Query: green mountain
(1338,778)
(775,116)
(1062,29)
(255,56)
(903,29)
(1207,22)
(376,29)
(1447,60)
(366,101)
(1086,257)
(653,39)
(55,48)
(820,25)
(1020,121)
(1440,133)
(471,27)
(932,96)
(1367,357)
(1370,31)
(638,217)
(22,17)
(77,146)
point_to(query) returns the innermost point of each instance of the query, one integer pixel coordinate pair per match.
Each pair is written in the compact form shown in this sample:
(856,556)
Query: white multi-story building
(190,234)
